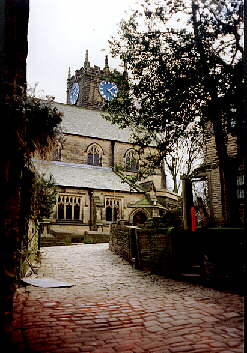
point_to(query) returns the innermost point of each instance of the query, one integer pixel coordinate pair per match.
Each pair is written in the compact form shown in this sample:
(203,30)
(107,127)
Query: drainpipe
(112,154)
(90,193)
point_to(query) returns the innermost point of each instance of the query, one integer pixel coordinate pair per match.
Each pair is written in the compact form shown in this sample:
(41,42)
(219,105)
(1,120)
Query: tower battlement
(83,86)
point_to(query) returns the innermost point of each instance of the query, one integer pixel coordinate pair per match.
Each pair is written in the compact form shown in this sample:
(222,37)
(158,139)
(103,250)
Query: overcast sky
(60,31)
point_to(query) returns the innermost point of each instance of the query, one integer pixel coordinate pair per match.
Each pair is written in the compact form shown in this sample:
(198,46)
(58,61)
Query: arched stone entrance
(139,216)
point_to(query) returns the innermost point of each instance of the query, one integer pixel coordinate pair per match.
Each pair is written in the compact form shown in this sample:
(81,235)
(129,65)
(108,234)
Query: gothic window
(77,212)
(60,211)
(68,207)
(131,161)
(94,155)
(112,209)
(108,214)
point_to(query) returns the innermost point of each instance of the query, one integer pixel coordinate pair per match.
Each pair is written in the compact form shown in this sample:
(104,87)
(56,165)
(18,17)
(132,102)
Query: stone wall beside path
(146,249)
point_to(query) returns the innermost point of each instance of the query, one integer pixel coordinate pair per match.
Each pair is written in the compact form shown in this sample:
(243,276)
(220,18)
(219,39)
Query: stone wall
(216,255)
(93,237)
(75,150)
(147,249)
(30,250)
(214,185)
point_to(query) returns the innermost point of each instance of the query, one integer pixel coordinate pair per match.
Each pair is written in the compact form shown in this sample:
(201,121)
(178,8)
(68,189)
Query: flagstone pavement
(114,308)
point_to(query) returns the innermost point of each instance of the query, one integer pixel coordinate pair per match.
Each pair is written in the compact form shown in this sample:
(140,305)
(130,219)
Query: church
(90,193)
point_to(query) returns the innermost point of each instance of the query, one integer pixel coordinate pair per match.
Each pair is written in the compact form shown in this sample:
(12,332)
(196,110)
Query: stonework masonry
(213,177)
(88,79)
(91,195)
(146,249)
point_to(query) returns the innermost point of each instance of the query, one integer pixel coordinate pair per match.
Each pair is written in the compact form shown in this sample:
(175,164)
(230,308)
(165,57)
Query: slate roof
(82,176)
(86,122)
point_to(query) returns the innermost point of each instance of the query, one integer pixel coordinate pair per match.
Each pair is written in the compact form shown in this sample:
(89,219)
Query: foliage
(183,65)
(186,155)
(43,197)
(30,126)
(147,166)
(33,124)
(173,218)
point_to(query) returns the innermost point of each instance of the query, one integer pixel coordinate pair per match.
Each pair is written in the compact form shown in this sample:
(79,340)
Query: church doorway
(139,218)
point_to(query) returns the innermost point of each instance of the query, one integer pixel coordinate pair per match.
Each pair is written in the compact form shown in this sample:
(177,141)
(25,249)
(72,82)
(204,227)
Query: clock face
(108,90)
(74,93)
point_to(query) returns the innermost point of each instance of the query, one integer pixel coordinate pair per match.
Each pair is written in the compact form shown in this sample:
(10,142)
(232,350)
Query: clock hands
(108,90)
(114,88)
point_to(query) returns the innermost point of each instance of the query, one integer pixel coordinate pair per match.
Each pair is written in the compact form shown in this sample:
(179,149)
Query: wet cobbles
(114,308)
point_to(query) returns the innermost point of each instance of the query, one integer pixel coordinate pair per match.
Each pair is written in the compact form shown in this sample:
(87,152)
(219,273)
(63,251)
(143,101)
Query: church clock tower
(89,86)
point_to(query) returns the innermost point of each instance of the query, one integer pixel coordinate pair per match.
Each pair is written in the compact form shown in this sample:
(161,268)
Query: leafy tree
(39,193)
(186,155)
(182,71)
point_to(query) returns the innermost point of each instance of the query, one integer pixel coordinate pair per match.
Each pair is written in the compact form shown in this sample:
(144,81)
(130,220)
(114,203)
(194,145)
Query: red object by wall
(193,219)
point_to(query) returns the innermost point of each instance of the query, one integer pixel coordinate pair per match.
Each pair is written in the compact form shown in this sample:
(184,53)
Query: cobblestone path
(113,308)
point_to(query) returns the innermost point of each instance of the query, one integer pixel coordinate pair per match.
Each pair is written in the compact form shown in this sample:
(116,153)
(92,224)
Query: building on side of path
(210,173)
(236,171)
(90,194)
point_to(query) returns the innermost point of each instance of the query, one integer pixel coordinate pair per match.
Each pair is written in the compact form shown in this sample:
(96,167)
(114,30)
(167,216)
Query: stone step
(194,271)
(190,275)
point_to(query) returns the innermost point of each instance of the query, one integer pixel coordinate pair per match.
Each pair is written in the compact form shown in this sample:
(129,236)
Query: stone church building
(90,194)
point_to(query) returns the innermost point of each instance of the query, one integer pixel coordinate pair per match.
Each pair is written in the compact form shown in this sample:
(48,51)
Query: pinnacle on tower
(86,62)
(69,74)
(106,62)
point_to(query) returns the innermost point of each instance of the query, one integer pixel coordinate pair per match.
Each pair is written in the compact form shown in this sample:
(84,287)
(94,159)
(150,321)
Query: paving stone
(181,349)
(113,308)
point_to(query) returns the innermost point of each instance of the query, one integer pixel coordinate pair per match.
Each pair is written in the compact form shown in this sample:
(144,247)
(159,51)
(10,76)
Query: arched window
(94,155)
(112,209)
(60,211)
(108,214)
(131,161)
(69,207)
(77,211)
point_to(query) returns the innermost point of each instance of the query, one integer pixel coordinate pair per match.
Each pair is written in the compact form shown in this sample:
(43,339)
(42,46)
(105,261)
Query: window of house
(94,155)
(112,206)
(131,161)
(68,207)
